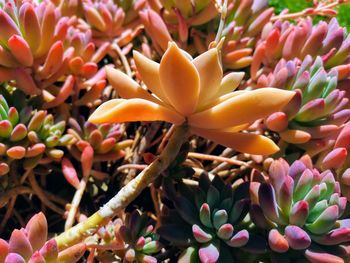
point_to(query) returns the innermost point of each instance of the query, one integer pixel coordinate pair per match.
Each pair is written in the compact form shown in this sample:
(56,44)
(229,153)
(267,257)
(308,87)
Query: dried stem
(123,59)
(40,193)
(9,210)
(127,194)
(209,157)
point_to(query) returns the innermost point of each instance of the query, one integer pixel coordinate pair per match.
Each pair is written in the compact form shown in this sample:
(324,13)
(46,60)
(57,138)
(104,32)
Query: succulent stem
(127,194)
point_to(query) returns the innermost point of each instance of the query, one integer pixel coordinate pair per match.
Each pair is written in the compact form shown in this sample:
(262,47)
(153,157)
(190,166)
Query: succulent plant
(133,240)
(29,135)
(207,220)
(211,110)
(314,117)
(284,39)
(29,245)
(102,138)
(301,209)
(32,44)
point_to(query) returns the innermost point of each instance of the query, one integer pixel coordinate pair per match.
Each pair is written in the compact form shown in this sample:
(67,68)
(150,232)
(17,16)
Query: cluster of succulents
(284,39)
(133,239)
(318,111)
(80,82)
(301,208)
(208,219)
(29,245)
(29,135)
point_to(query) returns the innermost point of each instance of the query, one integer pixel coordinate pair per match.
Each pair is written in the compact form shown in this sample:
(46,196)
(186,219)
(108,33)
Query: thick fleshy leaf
(14,258)
(325,221)
(240,239)
(127,88)
(277,242)
(4,249)
(19,244)
(322,257)
(210,74)
(179,79)
(334,237)
(299,213)
(245,108)
(295,136)
(200,235)
(225,231)
(242,142)
(208,254)
(230,82)
(37,231)
(297,238)
(268,204)
(50,250)
(189,255)
(219,218)
(335,159)
(149,71)
(120,110)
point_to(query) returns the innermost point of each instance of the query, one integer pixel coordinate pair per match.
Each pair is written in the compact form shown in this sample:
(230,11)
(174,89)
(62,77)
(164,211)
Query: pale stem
(76,202)
(223,11)
(127,194)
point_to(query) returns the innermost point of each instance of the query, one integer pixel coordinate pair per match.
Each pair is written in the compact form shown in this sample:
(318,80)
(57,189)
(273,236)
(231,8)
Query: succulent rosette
(313,119)
(29,135)
(102,138)
(283,39)
(207,219)
(31,46)
(301,209)
(201,98)
(29,245)
(134,239)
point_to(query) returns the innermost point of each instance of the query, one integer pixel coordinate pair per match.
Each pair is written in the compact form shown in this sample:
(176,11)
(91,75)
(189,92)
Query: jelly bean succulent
(317,112)
(301,209)
(29,245)
(207,218)
(283,39)
(29,135)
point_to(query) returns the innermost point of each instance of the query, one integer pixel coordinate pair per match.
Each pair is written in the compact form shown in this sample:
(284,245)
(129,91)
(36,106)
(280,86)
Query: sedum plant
(301,209)
(208,218)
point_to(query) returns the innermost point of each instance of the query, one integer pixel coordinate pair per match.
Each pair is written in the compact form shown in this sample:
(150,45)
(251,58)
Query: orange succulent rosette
(195,92)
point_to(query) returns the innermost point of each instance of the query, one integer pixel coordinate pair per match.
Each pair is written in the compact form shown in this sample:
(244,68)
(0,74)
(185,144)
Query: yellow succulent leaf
(245,108)
(295,136)
(126,87)
(220,100)
(149,71)
(210,74)
(121,110)
(230,82)
(242,142)
(180,80)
